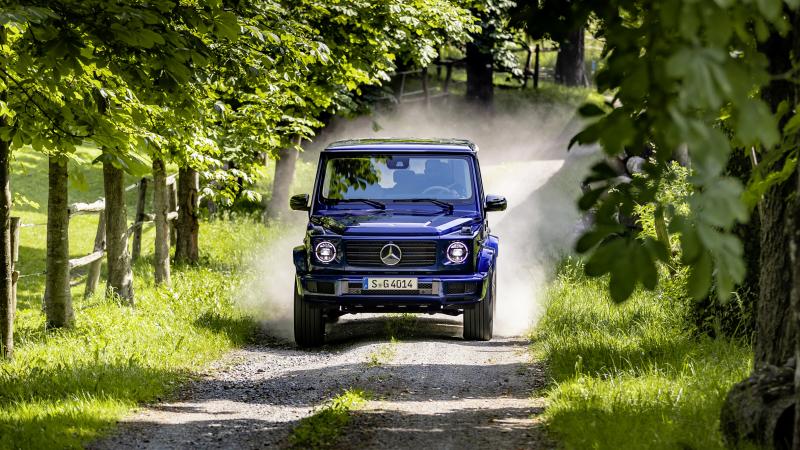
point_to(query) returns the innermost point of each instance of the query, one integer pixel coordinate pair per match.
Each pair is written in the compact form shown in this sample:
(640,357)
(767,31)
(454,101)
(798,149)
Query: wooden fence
(434,87)
(94,259)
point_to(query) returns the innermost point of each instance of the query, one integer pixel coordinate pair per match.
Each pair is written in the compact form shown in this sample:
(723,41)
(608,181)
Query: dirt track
(429,390)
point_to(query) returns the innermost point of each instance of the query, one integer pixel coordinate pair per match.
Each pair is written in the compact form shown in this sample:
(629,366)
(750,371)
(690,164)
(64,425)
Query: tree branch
(53,122)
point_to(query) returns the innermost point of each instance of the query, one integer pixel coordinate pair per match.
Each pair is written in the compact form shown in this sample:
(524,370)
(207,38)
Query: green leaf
(621,285)
(646,268)
(593,237)
(756,124)
(700,277)
(771,9)
(590,110)
(227,25)
(605,257)
(589,198)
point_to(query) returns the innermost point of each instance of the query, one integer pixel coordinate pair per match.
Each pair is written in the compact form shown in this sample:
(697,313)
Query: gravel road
(430,389)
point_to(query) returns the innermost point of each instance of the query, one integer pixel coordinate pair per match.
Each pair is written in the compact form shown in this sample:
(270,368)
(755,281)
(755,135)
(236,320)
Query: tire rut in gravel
(432,389)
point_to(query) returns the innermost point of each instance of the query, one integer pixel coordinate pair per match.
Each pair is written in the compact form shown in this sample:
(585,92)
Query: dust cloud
(523,157)
(267,294)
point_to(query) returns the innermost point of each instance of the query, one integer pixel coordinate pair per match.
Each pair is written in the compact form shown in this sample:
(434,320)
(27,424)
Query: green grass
(321,429)
(65,388)
(633,375)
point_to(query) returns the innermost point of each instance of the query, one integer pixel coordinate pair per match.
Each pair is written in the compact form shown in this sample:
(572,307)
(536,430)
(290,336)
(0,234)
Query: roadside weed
(321,429)
(383,354)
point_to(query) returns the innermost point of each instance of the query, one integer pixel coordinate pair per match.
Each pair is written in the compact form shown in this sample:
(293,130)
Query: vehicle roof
(403,145)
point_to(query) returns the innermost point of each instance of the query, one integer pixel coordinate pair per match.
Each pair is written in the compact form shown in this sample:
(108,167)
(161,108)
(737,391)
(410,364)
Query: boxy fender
(300,260)
(488,255)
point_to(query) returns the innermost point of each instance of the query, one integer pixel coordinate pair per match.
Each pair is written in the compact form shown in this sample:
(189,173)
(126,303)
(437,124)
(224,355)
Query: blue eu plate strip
(366,284)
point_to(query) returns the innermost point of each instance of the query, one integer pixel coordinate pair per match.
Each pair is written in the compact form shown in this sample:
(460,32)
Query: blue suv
(396,226)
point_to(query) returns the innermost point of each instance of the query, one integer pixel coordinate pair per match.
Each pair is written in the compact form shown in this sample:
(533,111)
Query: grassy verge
(65,388)
(321,429)
(632,375)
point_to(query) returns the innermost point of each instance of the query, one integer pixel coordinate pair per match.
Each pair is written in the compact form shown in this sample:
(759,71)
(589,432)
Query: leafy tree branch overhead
(680,76)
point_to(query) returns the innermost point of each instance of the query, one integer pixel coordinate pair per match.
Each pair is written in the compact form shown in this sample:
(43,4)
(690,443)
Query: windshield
(397,177)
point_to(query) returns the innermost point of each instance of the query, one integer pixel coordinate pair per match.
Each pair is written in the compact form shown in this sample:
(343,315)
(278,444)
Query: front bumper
(437,293)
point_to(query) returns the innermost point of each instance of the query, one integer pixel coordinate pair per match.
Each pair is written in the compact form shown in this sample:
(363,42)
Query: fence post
(536,68)
(172,192)
(93,276)
(402,87)
(136,251)
(14,259)
(448,75)
(425,86)
(527,73)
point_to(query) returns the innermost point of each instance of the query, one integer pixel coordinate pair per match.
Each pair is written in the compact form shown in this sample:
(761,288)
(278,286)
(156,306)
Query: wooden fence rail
(95,259)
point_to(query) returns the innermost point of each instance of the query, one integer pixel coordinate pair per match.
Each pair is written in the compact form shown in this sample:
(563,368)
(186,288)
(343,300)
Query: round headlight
(325,252)
(457,252)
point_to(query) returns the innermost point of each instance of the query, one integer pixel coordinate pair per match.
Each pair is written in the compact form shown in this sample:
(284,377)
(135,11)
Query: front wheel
(479,321)
(309,324)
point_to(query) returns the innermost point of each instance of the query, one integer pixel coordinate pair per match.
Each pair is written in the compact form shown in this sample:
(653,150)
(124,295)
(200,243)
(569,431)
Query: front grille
(460,287)
(424,289)
(368,253)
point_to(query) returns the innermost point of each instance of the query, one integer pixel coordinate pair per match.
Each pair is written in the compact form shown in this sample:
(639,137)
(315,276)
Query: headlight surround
(457,252)
(325,251)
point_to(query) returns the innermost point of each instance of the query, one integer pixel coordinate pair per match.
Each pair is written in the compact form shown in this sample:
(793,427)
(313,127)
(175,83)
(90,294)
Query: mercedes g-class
(396,226)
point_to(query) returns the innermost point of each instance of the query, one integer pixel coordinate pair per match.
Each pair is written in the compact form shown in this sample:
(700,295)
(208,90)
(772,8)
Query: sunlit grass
(65,388)
(632,375)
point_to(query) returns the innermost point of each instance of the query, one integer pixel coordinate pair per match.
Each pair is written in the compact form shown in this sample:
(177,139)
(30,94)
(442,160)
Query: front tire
(479,321)
(309,324)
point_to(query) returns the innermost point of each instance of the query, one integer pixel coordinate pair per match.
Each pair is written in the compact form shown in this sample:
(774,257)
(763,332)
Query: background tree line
(211,87)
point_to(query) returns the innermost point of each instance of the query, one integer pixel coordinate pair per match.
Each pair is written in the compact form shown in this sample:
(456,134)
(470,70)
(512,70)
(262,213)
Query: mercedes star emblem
(391,254)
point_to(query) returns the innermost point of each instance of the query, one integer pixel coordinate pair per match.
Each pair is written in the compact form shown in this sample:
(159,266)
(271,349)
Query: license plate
(394,284)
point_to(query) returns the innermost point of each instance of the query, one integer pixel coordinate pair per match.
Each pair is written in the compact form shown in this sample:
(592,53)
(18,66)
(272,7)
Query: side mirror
(495,203)
(299,202)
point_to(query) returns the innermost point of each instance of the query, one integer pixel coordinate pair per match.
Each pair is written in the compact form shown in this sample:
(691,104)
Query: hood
(388,222)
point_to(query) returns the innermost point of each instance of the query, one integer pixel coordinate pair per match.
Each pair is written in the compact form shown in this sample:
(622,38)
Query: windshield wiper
(374,203)
(445,205)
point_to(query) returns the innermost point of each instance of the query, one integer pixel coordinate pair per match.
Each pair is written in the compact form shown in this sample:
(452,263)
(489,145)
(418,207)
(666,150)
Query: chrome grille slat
(367,253)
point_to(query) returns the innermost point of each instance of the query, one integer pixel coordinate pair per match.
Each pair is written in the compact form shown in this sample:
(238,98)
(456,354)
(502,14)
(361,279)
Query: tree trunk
(188,226)
(761,409)
(58,300)
(160,210)
(282,183)
(480,75)
(7,307)
(570,70)
(6,297)
(120,274)
(796,308)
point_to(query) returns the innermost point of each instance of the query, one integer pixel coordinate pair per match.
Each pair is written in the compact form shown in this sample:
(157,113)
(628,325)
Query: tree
(285,162)
(188,224)
(563,22)
(6,295)
(120,273)
(379,32)
(160,210)
(67,77)
(484,51)
(570,70)
(57,297)
(684,73)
